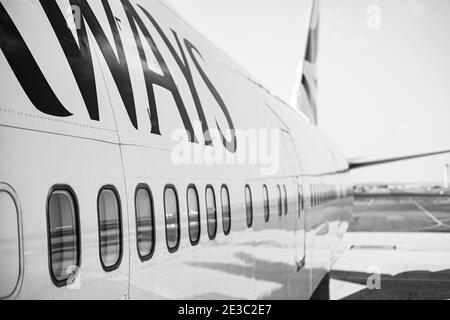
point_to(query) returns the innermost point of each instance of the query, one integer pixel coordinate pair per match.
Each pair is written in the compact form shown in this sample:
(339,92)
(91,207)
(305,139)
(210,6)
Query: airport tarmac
(397,247)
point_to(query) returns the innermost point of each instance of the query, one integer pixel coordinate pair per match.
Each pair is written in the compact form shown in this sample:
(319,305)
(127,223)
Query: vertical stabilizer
(305,91)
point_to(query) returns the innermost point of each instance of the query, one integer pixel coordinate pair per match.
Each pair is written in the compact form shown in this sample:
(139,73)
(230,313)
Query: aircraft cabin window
(172,216)
(211,212)
(266,203)
(303,198)
(285,207)
(63,234)
(193,214)
(280,201)
(145,225)
(319,194)
(322,194)
(226,210)
(248,206)
(316,195)
(10,251)
(300,200)
(110,228)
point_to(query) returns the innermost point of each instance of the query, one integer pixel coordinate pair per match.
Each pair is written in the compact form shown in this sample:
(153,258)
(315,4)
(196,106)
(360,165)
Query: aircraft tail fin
(304,95)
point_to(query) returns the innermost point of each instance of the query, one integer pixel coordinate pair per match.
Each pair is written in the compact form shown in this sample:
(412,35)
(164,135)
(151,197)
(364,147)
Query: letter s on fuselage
(78,53)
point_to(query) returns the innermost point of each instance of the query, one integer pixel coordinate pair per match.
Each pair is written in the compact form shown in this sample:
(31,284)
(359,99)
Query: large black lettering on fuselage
(80,59)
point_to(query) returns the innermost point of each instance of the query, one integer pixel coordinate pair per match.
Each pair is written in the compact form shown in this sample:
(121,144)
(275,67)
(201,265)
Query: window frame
(144,186)
(249,224)
(175,248)
(225,187)
(66,188)
(193,187)
(209,186)
(112,188)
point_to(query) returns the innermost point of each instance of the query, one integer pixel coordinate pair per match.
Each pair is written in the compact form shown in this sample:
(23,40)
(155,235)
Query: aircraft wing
(357,163)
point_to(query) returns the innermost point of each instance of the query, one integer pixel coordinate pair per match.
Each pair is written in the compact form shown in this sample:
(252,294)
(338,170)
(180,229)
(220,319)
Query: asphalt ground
(397,247)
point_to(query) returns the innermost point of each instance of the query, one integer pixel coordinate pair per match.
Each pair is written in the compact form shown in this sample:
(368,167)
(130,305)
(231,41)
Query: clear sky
(384,79)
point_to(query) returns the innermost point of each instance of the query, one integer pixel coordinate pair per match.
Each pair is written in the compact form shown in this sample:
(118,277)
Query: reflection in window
(64,235)
(211,212)
(193,214)
(172,218)
(226,211)
(248,206)
(266,203)
(145,228)
(110,228)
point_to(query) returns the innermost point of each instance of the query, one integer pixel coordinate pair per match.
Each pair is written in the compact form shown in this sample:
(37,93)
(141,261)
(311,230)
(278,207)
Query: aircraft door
(298,239)
(300,233)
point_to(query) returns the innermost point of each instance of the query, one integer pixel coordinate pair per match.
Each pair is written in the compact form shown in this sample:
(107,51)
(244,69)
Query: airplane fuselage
(131,164)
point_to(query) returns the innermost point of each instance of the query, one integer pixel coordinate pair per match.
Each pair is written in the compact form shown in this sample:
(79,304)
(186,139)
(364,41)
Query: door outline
(10,191)
(300,226)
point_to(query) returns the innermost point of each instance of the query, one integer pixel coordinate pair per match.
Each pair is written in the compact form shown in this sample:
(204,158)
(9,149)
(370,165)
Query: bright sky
(382,91)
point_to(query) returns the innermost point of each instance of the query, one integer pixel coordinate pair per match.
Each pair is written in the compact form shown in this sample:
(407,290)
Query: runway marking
(430,215)
(371,201)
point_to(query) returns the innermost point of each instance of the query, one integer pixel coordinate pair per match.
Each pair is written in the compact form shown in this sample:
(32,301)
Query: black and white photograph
(224,155)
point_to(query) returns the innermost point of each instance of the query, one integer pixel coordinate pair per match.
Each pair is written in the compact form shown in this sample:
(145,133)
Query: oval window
(266,203)
(226,210)
(172,214)
(248,206)
(211,212)
(145,226)
(193,214)
(110,228)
